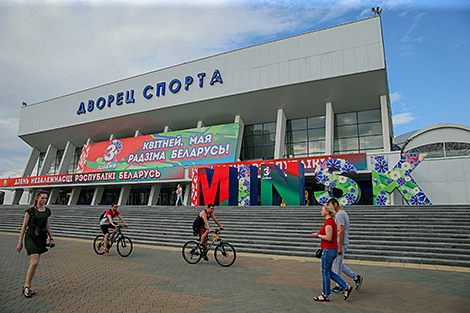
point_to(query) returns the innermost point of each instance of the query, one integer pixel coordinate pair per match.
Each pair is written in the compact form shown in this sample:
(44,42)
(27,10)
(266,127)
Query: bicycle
(124,243)
(224,252)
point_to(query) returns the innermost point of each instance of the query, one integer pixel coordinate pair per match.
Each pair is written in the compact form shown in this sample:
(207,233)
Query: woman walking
(329,244)
(36,219)
(179,195)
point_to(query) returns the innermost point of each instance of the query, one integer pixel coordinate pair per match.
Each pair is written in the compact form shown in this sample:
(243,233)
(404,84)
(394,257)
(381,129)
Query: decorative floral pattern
(244,185)
(384,182)
(351,191)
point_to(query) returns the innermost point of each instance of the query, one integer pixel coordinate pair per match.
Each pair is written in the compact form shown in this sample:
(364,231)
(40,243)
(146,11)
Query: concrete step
(393,234)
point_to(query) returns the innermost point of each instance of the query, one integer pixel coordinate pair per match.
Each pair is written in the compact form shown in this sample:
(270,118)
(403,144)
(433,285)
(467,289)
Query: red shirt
(333,243)
(113,214)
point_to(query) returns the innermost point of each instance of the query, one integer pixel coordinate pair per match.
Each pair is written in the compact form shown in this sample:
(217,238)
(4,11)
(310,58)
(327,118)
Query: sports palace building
(317,96)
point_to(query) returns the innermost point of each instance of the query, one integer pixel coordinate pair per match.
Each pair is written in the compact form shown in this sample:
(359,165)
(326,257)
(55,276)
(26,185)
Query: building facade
(321,93)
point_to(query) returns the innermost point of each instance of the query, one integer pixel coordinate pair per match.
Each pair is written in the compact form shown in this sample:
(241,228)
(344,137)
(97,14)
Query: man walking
(342,222)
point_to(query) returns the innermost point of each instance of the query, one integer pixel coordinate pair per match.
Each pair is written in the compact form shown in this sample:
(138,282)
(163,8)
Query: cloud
(396,97)
(402,118)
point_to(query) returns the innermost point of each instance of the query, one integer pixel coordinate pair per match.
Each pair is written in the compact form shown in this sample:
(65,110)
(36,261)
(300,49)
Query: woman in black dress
(35,217)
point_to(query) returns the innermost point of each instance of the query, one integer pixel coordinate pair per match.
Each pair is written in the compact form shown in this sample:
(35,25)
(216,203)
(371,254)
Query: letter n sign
(276,184)
(218,186)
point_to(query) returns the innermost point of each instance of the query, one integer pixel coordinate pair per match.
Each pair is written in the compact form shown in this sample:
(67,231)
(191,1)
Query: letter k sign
(384,181)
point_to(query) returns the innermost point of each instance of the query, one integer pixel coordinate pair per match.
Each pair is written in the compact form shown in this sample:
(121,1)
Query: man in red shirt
(107,222)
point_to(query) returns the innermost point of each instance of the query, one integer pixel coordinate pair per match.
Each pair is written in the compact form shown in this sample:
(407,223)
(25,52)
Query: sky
(53,48)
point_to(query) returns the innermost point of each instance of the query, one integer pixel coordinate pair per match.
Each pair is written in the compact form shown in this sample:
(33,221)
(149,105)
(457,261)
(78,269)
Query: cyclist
(202,228)
(107,222)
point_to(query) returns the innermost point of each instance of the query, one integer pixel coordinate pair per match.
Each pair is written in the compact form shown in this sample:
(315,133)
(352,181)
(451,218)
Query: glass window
(252,153)
(370,129)
(346,118)
(347,144)
(369,116)
(371,142)
(269,139)
(268,152)
(316,122)
(297,124)
(433,150)
(300,135)
(316,147)
(255,129)
(270,127)
(300,148)
(316,134)
(346,131)
(457,149)
(252,141)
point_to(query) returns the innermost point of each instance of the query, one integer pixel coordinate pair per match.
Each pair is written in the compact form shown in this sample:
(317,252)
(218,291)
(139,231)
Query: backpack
(102,215)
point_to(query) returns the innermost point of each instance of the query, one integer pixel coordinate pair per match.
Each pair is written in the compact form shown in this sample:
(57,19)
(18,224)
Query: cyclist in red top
(329,244)
(107,222)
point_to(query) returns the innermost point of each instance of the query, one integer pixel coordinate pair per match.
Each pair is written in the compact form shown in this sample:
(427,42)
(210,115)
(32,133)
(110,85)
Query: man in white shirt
(342,221)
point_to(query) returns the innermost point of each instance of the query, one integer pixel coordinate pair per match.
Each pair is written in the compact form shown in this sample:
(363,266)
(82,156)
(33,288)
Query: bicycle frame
(214,239)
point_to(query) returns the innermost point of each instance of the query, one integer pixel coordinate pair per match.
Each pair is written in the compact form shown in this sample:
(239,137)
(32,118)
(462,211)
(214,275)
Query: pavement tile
(72,278)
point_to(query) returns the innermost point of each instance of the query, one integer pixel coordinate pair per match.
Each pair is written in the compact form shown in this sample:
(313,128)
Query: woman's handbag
(41,233)
(318,253)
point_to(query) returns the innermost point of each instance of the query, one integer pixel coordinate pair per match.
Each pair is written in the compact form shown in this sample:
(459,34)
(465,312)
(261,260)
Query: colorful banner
(207,145)
(97,177)
(358,162)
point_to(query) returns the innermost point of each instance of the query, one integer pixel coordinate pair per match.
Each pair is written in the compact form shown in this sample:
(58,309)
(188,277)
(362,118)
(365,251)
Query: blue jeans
(327,259)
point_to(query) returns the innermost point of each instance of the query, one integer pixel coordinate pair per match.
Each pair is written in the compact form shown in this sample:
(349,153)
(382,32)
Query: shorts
(199,230)
(105,228)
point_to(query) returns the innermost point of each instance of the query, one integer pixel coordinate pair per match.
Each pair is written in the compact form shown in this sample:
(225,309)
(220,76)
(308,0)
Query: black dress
(32,244)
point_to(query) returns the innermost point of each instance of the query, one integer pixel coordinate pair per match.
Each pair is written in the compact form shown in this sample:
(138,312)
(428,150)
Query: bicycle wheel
(124,246)
(225,254)
(98,244)
(192,252)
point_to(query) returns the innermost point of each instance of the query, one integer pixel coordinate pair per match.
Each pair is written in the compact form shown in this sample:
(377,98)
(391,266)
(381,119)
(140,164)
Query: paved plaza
(72,278)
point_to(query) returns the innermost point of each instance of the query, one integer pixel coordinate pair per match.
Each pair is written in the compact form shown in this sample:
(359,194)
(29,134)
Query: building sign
(148,92)
(97,177)
(207,145)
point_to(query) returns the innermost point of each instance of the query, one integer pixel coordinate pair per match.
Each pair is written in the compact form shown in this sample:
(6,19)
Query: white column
(167,129)
(239,120)
(386,125)
(329,129)
(53,196)
(48,159)
(200,124)
(154,193)
(97,195)
(33,158)
(137,133)
(187,194)
(74,196)
(18,193)
(124,195)
(69,152)
(280,134)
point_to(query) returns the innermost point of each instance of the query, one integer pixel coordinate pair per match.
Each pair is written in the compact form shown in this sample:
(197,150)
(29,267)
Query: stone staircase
(414,234)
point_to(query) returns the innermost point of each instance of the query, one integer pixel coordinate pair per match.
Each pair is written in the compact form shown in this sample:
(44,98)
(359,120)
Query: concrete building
(320,93)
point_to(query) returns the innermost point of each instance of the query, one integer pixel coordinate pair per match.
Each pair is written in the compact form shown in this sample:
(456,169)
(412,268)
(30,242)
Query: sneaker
(27,292)
(204,255)
(337,289)
(358,281)
(106,251)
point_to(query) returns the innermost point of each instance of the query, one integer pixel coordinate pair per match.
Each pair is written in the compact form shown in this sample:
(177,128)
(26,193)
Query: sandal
(347,292)
(321,298)
(27,292)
